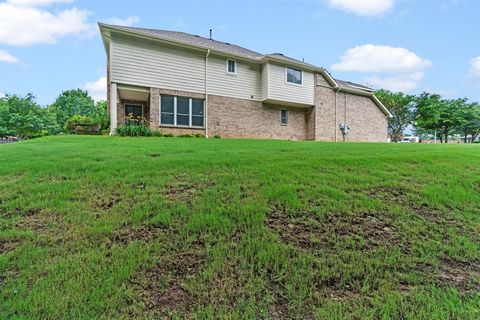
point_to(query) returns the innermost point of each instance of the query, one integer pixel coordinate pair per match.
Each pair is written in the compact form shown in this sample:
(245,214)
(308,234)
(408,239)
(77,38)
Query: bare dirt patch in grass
(34,222)
(413,203)
(184,190)
(279,308)
(142,233)
(308,231)
(459,274)
(162,288)
(106,201)
(10,244)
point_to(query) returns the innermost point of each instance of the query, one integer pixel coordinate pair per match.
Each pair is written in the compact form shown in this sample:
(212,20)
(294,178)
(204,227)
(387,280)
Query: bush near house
(136,130)
(248,229)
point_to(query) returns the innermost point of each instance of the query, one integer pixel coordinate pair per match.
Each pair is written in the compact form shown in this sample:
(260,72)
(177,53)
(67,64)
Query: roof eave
(176,43)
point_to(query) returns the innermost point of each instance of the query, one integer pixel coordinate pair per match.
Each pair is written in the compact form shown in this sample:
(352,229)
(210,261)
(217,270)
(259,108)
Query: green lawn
(102,227)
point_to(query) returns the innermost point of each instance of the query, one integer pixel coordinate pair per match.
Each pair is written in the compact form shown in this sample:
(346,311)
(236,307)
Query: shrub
(168,135)
(216,136)
(79,119)
(199,135)
(137,130)
(187,135)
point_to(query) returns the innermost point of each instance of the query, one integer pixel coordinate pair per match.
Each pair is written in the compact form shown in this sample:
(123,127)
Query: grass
(102,227)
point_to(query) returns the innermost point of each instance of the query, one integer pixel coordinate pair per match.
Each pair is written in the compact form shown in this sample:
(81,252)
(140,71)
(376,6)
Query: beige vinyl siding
(144,63)
(265,81)
(243,85)
(279,89)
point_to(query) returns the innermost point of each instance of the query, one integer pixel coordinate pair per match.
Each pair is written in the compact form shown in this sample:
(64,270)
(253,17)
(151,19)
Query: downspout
(344,136)
(206,93)
(336,115)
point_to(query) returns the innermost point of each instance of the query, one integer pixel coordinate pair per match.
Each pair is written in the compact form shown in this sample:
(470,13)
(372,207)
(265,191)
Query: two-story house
(183,83)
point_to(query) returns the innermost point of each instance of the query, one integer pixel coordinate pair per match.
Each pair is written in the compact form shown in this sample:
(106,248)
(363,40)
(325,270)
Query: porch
(128,103)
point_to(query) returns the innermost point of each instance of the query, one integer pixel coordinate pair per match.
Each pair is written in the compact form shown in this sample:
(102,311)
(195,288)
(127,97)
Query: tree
(101,114)
(25,118)
(435,113)
(72,102)
(471,121)
(400,106)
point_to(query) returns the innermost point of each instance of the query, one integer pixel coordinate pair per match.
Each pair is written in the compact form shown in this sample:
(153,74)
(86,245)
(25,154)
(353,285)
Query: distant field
(102,227)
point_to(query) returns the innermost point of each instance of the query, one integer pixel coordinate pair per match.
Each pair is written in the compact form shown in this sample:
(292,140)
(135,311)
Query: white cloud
(449,4)
(2,94)
(389,67)
(7,57)
(366,8)
(374,58)
(97,89)
(36,3)
(24,25)
(128,21)
(402,82)
(475,66)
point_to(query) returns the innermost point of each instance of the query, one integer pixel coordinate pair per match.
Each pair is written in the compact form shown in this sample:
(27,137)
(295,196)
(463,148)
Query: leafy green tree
(101,115)
(73,102)
(25,118)
(400,106)
(471,121)
(435,113)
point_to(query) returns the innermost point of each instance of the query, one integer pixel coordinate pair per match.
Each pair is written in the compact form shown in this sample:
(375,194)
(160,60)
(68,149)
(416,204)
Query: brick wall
(236,118)
(365,119)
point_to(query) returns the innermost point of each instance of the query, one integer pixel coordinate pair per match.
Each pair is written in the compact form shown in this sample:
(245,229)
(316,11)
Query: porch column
(113,108)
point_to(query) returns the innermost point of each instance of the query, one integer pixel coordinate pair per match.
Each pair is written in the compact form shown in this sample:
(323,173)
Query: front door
(133,112)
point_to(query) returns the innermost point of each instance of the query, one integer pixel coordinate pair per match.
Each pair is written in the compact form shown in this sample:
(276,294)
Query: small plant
(199,135)
(169,135)
(187,135)
(136,130)
(217,136)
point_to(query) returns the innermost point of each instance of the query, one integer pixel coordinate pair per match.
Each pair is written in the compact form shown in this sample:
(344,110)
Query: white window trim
(226,67)
(190,109)
(281,118)
(286,76)
(133,105)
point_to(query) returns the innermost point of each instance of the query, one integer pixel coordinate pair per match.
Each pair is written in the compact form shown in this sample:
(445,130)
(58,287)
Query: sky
(47,46)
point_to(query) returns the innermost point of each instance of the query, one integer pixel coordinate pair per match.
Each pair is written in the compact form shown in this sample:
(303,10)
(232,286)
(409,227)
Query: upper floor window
(182,111)
(294,76)
(231,66)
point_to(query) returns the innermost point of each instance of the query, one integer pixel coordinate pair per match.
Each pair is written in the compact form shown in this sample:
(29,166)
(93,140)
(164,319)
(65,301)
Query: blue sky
(47,46)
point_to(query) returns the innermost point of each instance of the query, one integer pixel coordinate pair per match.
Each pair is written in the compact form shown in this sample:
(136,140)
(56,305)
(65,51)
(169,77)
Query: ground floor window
(182,111)
(133,112)
(284,117)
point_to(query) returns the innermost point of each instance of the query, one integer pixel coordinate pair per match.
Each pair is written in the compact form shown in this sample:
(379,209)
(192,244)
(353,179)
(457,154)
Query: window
(182,111)
(197,113)
(167,114)
(294,76)
(133,110)
(231,66)
(284,117)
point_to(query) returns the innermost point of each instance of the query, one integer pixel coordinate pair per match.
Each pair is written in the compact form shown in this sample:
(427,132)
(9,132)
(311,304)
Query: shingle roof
(354,85)
(281,56)
(196,41)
